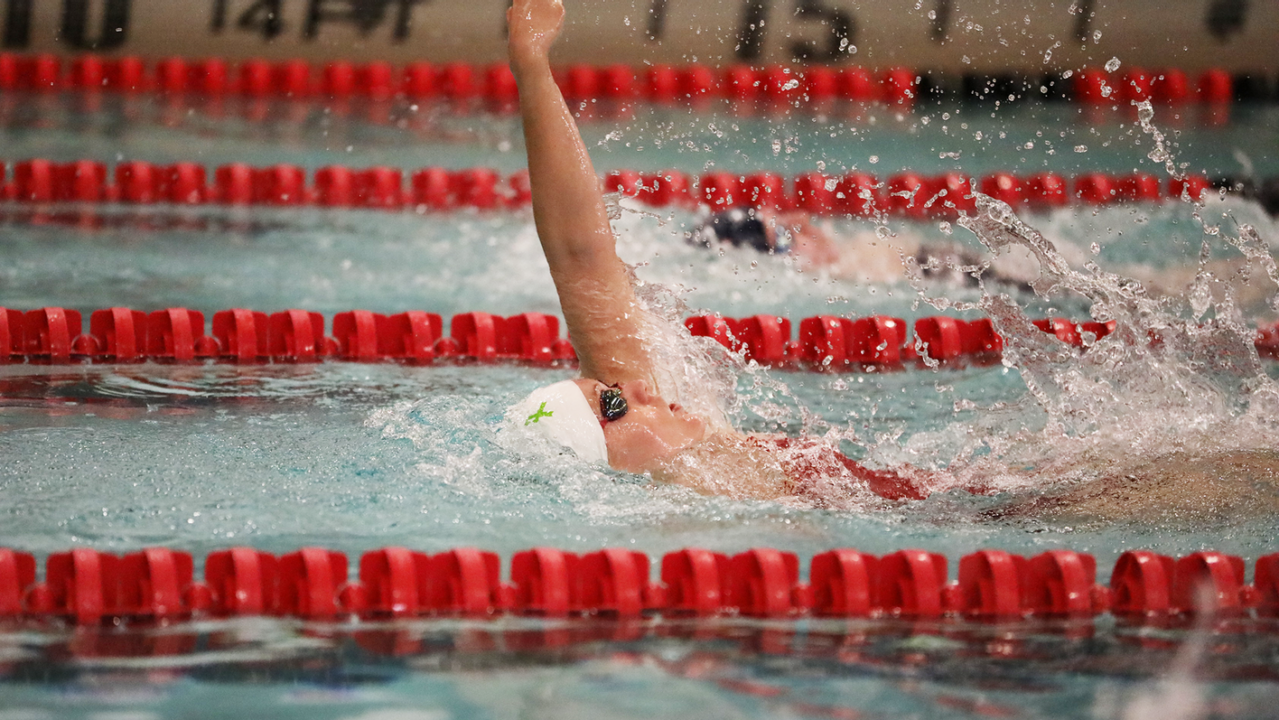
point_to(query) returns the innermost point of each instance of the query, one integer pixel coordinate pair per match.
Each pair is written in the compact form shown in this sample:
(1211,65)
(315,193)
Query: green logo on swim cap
(541,413)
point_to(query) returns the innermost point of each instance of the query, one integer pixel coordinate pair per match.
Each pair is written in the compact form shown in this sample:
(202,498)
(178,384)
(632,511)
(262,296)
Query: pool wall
(1034,36)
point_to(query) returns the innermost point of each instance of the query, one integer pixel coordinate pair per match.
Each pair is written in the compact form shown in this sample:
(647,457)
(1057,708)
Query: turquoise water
(976,138)
(355,457)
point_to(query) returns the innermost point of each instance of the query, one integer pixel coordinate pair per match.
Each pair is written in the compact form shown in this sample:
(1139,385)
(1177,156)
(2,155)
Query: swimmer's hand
(533,26)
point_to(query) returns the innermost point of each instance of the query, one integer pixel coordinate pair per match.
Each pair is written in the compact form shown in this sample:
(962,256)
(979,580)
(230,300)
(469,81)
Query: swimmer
(770,232)
(866,257)
(616,413)
(621,414)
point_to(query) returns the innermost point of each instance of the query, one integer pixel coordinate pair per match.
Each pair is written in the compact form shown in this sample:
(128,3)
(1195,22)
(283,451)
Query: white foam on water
(1180,373)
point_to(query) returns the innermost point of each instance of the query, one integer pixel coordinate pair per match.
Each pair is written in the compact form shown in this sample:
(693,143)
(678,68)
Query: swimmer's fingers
(533,27)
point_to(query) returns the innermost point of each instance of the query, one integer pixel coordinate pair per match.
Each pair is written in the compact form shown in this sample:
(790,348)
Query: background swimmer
(862,256)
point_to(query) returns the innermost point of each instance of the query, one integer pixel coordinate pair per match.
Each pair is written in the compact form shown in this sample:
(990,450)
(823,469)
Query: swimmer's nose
(637,392)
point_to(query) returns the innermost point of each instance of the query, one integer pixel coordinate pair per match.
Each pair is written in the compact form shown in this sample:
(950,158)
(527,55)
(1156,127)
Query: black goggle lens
(612,404)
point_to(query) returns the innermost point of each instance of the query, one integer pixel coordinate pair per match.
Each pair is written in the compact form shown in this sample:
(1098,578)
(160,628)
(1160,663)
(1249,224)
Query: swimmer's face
(650,432)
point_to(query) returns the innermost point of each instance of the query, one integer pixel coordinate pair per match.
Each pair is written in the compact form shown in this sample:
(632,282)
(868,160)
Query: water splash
(1178,374)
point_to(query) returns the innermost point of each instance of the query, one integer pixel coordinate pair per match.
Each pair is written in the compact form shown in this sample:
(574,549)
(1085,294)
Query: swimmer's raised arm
(594,285)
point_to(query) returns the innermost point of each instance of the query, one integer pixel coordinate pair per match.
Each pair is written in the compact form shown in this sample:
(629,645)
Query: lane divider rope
(907,194)
(90,587)
(53,336)
(584,83)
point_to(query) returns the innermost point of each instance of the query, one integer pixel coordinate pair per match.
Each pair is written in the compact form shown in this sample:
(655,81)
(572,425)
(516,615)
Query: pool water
(354,457)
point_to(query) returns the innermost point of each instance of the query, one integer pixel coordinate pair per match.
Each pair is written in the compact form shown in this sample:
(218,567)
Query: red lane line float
(297,336)
(815,193)
(89,587)
(912,583)
(177,335)
(115,335)
(418,81)
(696,581)
(764,582)
(241,335)
(17,576)
(844,583)
(1003,187)
(377,80)
(394,581)
(719,190)
(1210,583)
(825,343)
(465,582)
(542,578)
(1266,583)
(766,190)
(907,195)
(1046,190)
(615,582)
(992,584)
(242,581)
(310,581)
(1064,583)
(624,182)
(410,336)
(49,334)
(1216,87)
(1141,584)
(156,583)
(82,585)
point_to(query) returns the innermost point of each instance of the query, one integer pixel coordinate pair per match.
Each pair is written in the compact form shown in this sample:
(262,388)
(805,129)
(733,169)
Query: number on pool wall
(113,32)
(1225,17)
(750,37)
(940,17)
(670,31)
(78,27)
(657,20)
(17,23)
(835,44)
(839,28)
(1084,13)
(365,15)
(262,16)
(266,16)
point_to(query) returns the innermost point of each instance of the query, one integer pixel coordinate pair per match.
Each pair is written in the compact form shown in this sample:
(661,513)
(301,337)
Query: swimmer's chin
(721,464)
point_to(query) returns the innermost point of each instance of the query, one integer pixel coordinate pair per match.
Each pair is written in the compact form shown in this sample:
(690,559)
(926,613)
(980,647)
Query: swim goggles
(612,405)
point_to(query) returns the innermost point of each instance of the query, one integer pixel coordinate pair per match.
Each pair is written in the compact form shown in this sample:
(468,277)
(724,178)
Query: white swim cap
(561,413)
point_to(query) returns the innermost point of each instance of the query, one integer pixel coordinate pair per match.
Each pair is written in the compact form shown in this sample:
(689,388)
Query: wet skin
(651,431)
